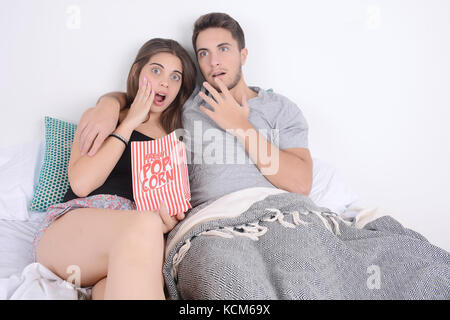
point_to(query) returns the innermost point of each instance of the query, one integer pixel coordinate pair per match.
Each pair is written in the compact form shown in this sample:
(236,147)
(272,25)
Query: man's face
(218,55)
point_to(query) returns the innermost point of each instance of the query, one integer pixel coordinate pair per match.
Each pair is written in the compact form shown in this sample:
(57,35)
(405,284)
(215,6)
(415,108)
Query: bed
(21,278)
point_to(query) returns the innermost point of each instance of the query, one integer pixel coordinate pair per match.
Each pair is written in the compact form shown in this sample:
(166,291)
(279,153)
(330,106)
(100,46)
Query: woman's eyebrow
(158,64)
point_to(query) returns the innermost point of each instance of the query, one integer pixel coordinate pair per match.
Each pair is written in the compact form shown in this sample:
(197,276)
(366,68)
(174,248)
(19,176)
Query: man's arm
(289,169)
(120,97)
(99,122)
(87,173)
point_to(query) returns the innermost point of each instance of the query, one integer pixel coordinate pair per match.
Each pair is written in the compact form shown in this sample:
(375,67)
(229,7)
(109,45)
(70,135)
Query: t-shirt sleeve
(291,128)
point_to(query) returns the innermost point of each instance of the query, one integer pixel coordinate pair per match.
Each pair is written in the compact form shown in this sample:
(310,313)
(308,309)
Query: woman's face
(164,71)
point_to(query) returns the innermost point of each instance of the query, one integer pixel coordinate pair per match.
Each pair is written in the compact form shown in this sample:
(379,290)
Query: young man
(237,136)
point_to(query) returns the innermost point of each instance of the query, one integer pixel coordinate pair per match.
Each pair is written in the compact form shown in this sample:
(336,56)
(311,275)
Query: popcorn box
(159,169)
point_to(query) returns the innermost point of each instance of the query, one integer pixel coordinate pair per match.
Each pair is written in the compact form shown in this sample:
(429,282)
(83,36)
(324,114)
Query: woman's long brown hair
(171,117)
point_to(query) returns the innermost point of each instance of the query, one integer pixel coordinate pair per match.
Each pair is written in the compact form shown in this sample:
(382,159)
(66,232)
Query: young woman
(118,250)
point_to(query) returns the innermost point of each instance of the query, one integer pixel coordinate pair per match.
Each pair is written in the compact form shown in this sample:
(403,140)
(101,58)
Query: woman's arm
(87,173)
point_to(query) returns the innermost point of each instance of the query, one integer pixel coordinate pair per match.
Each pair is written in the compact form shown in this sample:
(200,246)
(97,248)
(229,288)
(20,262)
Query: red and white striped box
(159,169)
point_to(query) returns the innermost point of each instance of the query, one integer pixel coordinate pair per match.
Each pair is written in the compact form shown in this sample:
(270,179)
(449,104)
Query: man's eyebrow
(201,49)
(219,45)
(158,64)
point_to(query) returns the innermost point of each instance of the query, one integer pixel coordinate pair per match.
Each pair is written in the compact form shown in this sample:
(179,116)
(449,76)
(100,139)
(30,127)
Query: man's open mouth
(218,74)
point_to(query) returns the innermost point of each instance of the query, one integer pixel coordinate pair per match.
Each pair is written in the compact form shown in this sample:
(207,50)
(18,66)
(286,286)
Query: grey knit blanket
(285,247)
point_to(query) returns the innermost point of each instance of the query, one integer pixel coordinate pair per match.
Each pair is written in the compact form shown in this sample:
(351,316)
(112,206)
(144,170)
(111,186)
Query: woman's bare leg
(86,237)
(135,263)
(98,290)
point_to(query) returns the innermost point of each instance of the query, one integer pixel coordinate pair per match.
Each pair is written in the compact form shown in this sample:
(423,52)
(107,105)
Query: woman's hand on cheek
(140,108)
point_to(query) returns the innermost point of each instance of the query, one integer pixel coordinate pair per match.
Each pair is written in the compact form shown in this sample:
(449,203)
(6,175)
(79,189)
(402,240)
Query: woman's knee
(144,233)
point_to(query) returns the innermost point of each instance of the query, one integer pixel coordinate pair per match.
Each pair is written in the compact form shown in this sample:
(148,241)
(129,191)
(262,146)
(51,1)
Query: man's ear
(244,53)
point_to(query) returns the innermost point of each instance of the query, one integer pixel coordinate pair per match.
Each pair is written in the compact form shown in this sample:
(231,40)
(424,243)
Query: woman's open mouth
(159,99)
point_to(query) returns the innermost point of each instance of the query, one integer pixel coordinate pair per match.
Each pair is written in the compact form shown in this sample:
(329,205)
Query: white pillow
(328,188)
(19,172)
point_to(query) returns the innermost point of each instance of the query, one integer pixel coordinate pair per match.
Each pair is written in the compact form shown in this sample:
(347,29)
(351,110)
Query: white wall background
(372,78)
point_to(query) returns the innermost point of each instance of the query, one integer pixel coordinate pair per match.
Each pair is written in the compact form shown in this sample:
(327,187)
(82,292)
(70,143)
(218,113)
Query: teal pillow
(53,180)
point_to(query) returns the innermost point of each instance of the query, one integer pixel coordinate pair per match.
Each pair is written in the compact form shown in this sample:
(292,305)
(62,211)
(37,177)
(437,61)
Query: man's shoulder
(275,99)
(194,99)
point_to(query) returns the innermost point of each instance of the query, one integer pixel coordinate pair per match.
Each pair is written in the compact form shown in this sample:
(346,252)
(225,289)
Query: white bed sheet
(20,276)
(16,238)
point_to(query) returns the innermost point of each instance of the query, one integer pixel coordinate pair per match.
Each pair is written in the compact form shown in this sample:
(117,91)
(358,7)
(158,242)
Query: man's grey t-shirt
(217,162)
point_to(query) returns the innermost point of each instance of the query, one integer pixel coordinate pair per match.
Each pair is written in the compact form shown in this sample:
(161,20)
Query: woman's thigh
(81,240)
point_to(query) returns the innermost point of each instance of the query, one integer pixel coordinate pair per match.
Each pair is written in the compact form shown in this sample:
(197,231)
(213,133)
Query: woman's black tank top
(119,181)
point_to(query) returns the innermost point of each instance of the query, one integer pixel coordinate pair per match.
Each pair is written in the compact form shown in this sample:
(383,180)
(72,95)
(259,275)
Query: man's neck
(240,89)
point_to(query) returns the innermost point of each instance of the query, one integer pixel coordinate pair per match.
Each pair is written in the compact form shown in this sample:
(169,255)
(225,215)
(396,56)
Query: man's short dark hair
(218,20)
